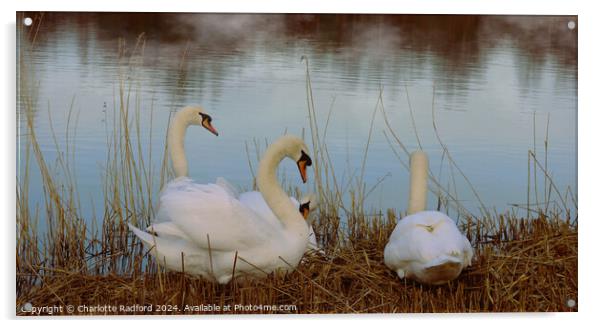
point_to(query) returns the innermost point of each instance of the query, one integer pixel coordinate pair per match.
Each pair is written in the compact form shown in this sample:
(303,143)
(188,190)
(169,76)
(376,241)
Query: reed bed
(96,266)
(523,265)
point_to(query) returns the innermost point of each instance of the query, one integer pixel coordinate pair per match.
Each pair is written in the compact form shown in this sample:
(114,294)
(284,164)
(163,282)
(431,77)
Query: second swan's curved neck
(175,143)
(274,195)
(419,164)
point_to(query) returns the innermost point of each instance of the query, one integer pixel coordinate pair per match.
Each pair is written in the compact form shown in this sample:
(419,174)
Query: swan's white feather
(209,216)
(167,229)
(170,251)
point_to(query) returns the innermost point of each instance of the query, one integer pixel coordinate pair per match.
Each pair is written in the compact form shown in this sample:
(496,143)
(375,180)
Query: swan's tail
(145,237)
(312,243)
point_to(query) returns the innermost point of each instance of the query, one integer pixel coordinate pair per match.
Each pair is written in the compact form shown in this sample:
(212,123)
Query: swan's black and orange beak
(206,123)
(304,209)
(302,164)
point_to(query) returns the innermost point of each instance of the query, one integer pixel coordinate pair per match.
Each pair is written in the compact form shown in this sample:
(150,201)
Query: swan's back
(254,200)
(210,216)
(429,247)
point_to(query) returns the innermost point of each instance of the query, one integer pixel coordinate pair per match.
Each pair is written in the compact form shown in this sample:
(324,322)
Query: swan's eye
(205,117)
(303,207)
(305,158)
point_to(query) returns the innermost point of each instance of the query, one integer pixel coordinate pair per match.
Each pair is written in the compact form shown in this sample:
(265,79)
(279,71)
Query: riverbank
(520,265)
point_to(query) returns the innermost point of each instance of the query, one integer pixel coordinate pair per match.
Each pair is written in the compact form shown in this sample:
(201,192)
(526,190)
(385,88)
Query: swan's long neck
(175,142)
(275,197)
(419,164)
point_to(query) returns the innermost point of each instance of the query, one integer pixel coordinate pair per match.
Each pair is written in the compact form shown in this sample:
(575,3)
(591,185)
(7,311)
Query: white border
(549,7)
(588,131)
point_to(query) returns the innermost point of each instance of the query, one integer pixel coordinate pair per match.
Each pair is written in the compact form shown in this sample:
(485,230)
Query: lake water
(497,80)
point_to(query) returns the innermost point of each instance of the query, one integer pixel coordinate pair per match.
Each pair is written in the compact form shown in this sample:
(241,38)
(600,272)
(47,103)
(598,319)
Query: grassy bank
(521,264)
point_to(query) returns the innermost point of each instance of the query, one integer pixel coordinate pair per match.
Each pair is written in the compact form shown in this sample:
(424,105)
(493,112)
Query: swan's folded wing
(211,217)
(468,252)
(254,200)
(399,250)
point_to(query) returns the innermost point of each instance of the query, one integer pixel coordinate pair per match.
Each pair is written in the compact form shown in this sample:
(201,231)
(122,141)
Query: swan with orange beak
(205,229)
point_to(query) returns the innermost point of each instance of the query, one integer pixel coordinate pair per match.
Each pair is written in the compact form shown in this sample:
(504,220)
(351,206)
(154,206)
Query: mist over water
(496,81)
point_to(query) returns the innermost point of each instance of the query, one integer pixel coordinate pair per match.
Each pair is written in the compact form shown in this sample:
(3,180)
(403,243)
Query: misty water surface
(496,80)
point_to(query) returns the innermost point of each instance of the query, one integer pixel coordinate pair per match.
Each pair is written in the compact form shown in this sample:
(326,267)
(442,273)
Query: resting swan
(208,231)
(426,245)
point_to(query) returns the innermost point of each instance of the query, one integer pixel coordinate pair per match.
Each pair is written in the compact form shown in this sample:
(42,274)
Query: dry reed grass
(523,265)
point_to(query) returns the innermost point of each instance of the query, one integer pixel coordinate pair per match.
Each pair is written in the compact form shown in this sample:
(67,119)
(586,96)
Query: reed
(520,264)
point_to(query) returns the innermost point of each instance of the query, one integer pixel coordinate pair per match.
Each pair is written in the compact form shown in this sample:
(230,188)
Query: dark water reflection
(494,76)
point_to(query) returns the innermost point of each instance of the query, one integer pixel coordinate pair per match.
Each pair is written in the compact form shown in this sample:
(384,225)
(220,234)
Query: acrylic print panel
(431,161)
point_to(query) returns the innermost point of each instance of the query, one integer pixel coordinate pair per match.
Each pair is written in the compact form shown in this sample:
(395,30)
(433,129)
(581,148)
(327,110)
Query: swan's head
(304,209)
(285,146)
(307,203)
(297,150)
(195,115)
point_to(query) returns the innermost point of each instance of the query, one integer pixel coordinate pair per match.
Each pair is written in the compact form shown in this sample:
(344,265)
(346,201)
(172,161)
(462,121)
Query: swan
(426,245)
(204,229)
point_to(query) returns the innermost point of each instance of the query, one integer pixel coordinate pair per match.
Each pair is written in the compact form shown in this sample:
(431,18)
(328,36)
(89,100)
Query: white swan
(206,230)
(426,245)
